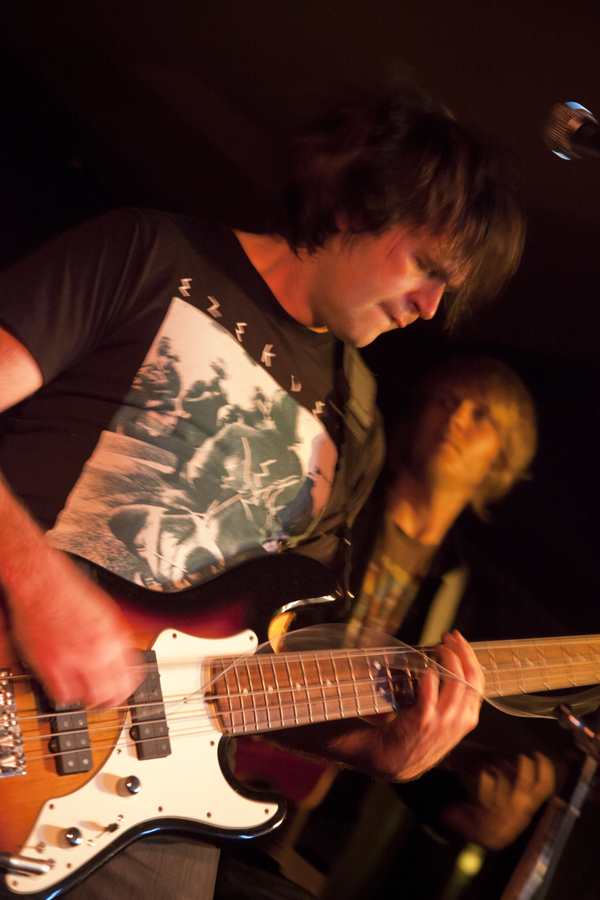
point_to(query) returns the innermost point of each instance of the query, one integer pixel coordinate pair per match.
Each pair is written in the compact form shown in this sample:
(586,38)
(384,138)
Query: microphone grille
(562,123)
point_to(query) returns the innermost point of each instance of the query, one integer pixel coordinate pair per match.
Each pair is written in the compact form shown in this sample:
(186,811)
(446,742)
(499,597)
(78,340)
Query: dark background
(188,105)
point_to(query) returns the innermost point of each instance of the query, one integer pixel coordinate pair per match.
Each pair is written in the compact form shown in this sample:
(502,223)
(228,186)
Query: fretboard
(271,691)
(542,664)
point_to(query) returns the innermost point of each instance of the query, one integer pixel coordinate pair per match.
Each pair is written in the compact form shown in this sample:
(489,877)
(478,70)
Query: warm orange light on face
(458,439)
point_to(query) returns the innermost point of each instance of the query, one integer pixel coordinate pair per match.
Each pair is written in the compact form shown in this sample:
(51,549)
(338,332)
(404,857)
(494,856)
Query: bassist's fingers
(459,696)
(428,692)
(120,677)
(472,671)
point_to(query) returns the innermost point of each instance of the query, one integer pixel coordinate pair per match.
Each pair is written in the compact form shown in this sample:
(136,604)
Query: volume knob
(72,837)
(129,785)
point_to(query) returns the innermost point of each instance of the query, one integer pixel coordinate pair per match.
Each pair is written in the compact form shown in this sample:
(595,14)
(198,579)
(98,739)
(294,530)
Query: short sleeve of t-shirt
(68,296)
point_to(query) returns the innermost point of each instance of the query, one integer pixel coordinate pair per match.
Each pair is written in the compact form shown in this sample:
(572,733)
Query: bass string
(190,724)
(286,711)
(501,675)
(230,664)
(533,643)
(375,653)
(180,727)
(504,672)
(292,697)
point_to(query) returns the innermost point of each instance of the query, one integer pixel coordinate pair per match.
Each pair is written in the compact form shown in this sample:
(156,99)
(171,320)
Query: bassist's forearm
(25,556)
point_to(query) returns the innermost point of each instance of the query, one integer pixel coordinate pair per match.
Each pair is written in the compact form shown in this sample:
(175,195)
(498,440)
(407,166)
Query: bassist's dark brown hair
(394,156)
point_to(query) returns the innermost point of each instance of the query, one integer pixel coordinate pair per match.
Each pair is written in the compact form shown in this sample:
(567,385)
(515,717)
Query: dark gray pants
(154,869)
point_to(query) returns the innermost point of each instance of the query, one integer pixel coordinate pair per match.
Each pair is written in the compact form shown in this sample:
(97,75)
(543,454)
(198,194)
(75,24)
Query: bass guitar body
(78,785)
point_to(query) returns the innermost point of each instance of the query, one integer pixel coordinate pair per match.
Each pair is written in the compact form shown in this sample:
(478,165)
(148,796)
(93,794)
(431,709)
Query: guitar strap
(360,441)
(362,451)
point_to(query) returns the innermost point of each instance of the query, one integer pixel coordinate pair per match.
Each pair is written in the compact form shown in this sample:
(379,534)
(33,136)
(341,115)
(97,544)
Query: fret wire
(570,663)
(225,678)
(236,670)
(372,691)
(218,677)
(496,672)
(245,685)
(353,678)
(518,666)
(283,674)
(331,689)
(316,688)
(281,669)
(543,667)
(373,688)
(306,682)
(287,666)
(301,685)
(274,691)
(259,697)
(345,662)
(337,685)
(290,692)
(595,653)
(364,685)
(264,693)
(243,693)
(322,686)
(295,691)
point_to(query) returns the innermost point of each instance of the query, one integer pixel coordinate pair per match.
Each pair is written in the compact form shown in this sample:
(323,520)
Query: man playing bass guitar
(180,398)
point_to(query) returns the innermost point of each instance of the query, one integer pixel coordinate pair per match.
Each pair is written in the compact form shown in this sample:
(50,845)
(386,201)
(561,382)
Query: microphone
(572,132)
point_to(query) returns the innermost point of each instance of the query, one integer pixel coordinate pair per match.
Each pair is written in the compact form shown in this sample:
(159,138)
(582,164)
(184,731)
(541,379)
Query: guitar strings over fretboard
(278,691)
(269,691)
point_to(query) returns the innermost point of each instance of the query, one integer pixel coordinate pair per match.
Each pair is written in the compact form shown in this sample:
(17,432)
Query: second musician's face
(457,439)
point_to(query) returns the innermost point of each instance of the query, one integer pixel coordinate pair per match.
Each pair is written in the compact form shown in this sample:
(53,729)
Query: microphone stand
(533,874)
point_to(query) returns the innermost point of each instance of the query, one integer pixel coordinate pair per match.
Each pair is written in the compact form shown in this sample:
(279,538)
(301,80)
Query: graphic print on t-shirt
(207,463)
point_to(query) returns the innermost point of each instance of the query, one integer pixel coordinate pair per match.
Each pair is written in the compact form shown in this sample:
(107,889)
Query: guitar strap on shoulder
(360,457)
(362,451)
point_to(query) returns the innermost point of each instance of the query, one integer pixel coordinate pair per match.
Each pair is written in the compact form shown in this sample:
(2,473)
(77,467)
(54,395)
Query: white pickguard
(188,784)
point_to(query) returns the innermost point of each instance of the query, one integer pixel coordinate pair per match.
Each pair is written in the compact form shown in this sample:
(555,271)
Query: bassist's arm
(67,629)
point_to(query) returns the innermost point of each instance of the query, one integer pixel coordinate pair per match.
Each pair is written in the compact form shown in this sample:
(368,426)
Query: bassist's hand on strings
(444,712)
(67,630)
(418,736)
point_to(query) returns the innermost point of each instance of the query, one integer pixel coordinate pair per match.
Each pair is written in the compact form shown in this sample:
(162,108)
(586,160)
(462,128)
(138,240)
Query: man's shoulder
(151,220)
(148,224)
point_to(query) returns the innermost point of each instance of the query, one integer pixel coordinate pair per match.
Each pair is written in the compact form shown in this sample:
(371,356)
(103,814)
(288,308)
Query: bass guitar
(78,785)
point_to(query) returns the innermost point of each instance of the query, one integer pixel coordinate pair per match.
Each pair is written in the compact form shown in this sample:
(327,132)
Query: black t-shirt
(185,422)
